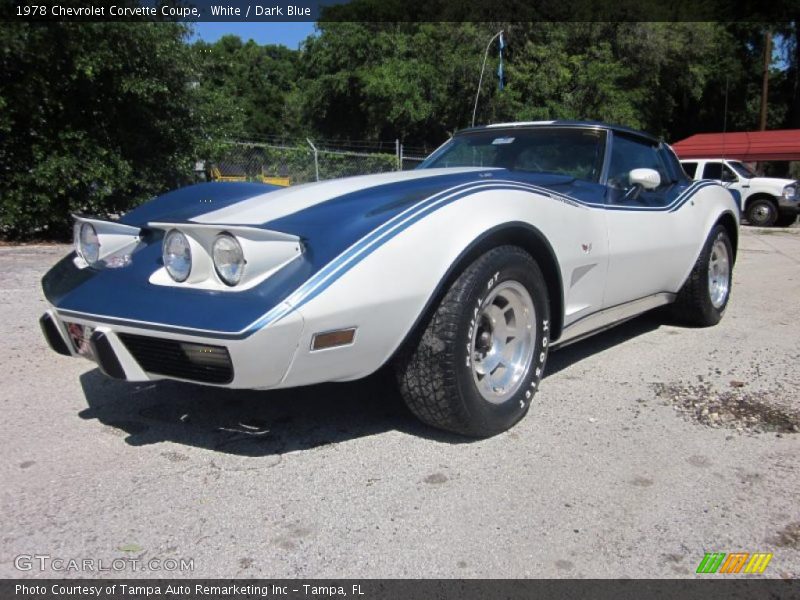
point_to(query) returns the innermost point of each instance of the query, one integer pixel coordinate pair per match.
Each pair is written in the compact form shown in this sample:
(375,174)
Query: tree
(95,118)
(382,81)
(417,81)
(255,82)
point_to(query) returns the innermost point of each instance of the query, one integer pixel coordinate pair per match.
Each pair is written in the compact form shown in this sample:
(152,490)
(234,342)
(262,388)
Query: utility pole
(765,80)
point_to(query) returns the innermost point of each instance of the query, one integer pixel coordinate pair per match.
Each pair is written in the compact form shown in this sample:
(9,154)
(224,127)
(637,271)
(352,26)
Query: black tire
(436,373)
(785,220)
(762,212)
(693,304)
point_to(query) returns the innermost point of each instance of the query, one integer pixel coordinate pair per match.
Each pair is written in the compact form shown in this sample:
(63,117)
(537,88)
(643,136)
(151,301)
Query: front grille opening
(185,360)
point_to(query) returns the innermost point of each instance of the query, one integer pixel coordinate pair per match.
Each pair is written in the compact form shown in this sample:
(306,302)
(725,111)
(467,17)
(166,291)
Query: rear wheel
(479,361)
(704,296)
(762,212)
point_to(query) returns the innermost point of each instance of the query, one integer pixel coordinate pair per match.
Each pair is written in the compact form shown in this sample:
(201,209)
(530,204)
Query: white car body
(782,193)
(610,260)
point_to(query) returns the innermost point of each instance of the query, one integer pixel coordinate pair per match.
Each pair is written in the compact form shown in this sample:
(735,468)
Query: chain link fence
(412,156)
(292,162)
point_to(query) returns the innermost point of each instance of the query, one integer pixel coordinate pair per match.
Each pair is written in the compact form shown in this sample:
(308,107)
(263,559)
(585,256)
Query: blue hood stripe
(368,244)
(294,288)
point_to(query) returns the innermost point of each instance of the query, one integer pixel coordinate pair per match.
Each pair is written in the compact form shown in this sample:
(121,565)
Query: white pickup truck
(764,201)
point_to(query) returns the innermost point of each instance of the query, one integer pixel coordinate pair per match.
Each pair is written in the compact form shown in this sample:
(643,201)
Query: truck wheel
(479,361)
(704,296)
(762,212)
(785,220)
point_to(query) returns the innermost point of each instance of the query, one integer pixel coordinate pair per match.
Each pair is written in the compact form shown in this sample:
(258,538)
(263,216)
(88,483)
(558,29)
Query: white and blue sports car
(509,240)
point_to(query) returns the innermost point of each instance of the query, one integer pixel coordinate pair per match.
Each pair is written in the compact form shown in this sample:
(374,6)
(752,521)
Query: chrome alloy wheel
(503,341)
(719,273)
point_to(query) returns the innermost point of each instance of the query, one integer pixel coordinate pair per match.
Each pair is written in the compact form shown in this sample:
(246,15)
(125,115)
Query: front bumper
(788,206)
(140,354)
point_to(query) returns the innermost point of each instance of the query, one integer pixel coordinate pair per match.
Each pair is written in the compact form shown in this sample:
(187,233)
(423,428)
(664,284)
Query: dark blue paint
(191,201)
(327,229)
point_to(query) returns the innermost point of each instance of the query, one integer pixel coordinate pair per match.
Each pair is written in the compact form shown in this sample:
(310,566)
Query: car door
(571,163)
(723,173)
(650,243)
(715,169)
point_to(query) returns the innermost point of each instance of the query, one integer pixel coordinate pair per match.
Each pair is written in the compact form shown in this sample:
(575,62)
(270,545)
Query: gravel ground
(647,446)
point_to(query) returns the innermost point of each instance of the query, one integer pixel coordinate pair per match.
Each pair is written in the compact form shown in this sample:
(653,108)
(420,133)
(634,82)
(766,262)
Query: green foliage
(297,162)
(387,81)
(418,80)
(332,164)
(96,118)
(250,82)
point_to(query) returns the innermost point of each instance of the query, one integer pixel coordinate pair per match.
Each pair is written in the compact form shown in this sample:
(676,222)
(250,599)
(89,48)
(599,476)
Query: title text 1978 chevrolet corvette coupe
(508,240)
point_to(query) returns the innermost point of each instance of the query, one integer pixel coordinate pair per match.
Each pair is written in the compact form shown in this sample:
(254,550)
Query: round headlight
(177,255)
(228,259)
(87,243)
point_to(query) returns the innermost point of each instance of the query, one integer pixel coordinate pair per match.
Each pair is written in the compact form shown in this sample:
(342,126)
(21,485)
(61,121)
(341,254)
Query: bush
(94,118)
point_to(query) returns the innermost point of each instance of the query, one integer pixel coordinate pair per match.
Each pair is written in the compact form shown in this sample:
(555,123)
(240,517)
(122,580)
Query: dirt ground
(648,446)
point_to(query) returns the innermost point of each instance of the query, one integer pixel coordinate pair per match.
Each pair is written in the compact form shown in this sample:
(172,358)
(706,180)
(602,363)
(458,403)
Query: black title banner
(372,589)
(776,11)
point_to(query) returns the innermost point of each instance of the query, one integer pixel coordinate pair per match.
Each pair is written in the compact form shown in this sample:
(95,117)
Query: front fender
(720,207)
(393,285)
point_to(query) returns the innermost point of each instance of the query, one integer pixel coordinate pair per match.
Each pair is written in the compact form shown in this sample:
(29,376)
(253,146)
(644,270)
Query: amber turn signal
(331,339)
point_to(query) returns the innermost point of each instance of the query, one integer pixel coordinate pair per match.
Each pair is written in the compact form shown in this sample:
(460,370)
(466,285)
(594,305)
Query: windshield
(742,169)
(575,152)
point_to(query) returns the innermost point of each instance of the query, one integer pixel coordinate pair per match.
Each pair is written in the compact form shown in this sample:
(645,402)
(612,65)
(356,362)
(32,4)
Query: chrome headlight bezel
(170,256)
(87,242)
(790,192)
(228,258)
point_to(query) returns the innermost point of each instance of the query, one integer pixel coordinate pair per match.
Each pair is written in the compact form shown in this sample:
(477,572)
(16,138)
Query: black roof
(588,124)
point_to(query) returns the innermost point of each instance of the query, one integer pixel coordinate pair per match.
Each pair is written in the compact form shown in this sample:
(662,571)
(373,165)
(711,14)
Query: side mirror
(648,179)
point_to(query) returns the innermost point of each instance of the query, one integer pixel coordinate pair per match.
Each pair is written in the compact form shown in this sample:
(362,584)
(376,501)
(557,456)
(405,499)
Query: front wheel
(762,212)
(704,297)
(481,357)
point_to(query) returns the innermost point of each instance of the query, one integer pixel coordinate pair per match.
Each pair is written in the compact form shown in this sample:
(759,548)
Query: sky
(288,34)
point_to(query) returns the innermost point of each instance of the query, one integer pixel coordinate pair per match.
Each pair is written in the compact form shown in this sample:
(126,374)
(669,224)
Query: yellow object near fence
(217,175)
(282,181)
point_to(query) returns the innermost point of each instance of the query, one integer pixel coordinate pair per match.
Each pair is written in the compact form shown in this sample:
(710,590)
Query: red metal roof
(750,146)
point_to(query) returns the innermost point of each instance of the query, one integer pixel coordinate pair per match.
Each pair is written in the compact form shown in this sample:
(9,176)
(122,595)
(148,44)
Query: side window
(690,168)
(628,154)
(716,170)
(713,170)
(728,174)
(576,153)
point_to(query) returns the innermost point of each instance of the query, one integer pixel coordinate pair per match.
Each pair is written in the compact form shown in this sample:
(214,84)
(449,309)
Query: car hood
(771,181)
(299,209)
(369,191)
(329,217)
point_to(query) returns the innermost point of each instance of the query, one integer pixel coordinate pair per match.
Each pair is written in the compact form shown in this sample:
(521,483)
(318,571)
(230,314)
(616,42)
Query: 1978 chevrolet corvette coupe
(509,240)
